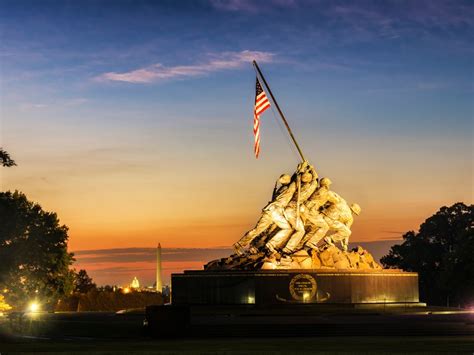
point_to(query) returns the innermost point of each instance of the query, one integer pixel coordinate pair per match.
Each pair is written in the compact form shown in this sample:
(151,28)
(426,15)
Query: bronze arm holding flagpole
(279,110)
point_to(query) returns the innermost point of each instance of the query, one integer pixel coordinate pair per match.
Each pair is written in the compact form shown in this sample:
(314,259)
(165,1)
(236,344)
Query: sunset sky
(133,120)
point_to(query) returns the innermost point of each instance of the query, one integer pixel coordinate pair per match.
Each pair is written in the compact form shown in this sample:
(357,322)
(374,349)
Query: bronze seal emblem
(303,287)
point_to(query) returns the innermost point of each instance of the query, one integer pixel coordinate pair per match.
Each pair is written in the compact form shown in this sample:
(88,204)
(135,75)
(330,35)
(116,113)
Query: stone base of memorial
(293,287)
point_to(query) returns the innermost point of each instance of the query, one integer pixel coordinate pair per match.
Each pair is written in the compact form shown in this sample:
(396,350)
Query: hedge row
(104,301)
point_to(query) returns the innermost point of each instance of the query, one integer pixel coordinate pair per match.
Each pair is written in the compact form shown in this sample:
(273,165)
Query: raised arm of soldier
(310,184)
(302,167)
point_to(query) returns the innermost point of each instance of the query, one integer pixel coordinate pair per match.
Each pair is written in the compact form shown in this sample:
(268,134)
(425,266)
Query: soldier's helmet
(355,208)
(285,179)
(306,177)
(325,182)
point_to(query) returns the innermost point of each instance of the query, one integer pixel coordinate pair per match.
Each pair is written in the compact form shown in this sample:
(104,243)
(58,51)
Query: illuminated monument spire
(159,282)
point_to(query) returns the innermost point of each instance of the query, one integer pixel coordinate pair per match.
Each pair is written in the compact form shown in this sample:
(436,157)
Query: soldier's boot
(271,248)
(253,250)
(238,249)
(312,246)
(329,241)
(345,244)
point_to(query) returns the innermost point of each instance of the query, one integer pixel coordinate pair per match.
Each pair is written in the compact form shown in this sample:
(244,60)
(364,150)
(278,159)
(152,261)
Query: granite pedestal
(272,287)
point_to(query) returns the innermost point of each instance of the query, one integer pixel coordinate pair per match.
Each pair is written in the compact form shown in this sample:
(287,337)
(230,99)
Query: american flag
(261,105)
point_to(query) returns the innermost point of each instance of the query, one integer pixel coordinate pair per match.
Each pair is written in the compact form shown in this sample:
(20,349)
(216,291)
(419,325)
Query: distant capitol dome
(135,283)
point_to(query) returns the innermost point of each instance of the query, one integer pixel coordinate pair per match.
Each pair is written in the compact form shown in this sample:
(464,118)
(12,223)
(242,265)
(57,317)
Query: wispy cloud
(431,85)
(250,5)
(406,19)
(183,255)
(406,84)
(159,72)
(59,103)
(149,254)
(120,265)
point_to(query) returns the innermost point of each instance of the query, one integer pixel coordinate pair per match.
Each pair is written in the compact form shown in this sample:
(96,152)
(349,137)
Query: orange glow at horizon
(373,224)
(110,223)
(116,198)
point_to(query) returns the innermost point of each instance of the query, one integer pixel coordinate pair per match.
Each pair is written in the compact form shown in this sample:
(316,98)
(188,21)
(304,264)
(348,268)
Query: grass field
(329,345)
(108,333)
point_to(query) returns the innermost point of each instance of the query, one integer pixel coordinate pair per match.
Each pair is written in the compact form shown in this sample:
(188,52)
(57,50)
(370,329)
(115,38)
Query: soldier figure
(317,227)
(310,183)
(272,213)
(339,217)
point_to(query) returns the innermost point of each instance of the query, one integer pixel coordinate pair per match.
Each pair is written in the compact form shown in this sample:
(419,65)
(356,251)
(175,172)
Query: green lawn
(105,333)
(329,345)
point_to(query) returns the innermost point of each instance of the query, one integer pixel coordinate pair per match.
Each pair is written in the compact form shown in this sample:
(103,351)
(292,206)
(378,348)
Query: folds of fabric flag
(261,105)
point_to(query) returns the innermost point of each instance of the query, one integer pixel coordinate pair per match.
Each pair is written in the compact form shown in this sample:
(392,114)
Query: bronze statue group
(303,214)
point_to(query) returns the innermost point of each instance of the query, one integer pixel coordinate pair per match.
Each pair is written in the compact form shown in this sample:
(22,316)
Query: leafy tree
(83,283)
(5,159)
(33,252)
(442,253)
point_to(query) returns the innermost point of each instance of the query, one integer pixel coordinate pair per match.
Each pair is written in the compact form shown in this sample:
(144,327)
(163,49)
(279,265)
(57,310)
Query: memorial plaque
(303,287)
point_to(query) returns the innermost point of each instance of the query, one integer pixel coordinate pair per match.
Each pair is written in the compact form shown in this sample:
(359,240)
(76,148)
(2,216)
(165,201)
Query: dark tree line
(442,252)
(35,263)
(96,300)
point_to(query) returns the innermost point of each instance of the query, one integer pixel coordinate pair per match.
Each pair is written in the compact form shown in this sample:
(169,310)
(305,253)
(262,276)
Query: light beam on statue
(297,252)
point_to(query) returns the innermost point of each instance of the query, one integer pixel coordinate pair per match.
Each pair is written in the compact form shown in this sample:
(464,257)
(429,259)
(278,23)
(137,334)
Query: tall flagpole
(279,110)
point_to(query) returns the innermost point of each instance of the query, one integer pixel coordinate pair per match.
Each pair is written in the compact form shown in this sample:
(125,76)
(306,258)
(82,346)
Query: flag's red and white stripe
(261,105)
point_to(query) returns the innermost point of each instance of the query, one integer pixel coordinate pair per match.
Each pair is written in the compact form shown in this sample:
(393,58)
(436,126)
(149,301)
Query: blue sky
(413,45)
(126,115)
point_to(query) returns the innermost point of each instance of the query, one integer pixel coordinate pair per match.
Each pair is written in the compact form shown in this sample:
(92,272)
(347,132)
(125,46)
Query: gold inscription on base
(303,287)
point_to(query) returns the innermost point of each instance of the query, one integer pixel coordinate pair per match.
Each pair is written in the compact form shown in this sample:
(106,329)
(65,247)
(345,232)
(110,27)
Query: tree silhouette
(442,253)
(83,283)
(5,159)
(34,262)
